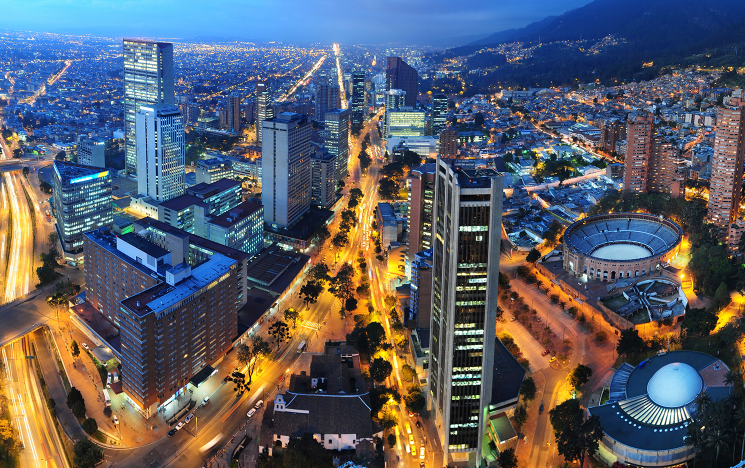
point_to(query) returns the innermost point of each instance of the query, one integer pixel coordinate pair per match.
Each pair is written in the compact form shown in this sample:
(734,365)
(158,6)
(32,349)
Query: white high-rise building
(148,81)
(286,168)
(161,155)
(92,152)
(264,107)
(336,140)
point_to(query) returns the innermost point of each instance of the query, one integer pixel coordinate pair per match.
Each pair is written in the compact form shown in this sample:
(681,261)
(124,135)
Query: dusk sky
(434,22)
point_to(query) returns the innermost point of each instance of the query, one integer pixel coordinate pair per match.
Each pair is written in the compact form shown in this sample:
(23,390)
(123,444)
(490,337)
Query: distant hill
(511,34)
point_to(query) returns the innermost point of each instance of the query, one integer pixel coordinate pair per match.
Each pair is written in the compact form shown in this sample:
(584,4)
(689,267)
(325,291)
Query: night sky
(424,22)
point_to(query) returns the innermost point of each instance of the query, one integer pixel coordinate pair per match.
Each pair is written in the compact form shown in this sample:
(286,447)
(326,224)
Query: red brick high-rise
(399,75)
(639,134)
(727,166)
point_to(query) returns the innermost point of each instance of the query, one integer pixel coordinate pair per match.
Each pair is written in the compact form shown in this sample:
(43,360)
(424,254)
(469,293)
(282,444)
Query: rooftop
(271,263)
(508,376)
(205,190)
(144,245)
(181,202)
(237,214)
(476,178)
(70,172)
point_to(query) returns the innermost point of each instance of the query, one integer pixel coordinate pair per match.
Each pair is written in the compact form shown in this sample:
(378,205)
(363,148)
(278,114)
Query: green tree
(388,420)
(415,401)
(61,156)
(90,426)
(699,321)
(630,343)
(342,285)
(310,291)
(280,331)
(78,409)
(87,454)
(507,458)
(409,373)
(319,273)
(521,415)
(528,389)
(388,188)
(533,256)
(721,296)
(391,440)
(73,397)
(579,376)
(380,369)
(478,119)
(576,436)
(350,304)
(292,316)
(356,194)
(251,352)
(323,234)
(74,349)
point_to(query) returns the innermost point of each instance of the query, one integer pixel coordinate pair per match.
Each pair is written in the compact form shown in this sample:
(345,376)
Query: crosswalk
(311,325)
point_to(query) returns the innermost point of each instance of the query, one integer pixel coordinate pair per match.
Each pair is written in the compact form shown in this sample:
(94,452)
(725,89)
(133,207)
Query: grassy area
(639,317)
(605,396)
(616,302)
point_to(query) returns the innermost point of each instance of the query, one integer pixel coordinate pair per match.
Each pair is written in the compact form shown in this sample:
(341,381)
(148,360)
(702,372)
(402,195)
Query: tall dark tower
(399,75)
(358,97)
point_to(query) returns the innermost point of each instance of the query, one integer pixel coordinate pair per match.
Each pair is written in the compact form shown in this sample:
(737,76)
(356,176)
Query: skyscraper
(439,113)
(286,169)
(336,139)
(394,100)
(323,179)
(92,152)
(405,122)
(234,113)
(327,98)
(466,244)
(727,164)
(82,202)
(421,198)
(449,143)
(639,133)
(263,107)
(358,97)
(661,169)
(148,81)
(611,132)
(161,156)
(399,75)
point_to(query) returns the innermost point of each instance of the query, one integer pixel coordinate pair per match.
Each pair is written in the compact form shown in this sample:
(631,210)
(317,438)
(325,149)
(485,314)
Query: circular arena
(650,406)
(620,245)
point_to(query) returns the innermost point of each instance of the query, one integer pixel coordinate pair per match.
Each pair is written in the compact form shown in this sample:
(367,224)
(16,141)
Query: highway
(34,427)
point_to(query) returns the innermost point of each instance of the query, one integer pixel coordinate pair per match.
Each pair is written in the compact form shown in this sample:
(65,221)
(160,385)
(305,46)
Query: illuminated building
(82,202)
(213,169)
(92,152)
(639,133)
(264,109)
(449,143)
(240,228)
(327,98)
(439,113)
(358,98)
(234,113)
(421,198)
(399,75)
(403,123)
(465,249)
(148,81)
(161,155)
(336,139)
(323,179)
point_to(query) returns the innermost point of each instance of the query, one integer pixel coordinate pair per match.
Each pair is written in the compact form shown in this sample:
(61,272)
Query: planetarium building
(620,245)
(650,407)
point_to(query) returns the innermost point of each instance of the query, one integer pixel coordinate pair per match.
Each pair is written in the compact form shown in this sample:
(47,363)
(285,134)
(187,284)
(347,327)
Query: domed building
(646,418)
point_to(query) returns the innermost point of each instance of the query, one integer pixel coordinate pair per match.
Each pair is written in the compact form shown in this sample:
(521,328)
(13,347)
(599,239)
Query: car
(408,450)
(251,412)
(553,358)
(259,404)
(85,345)
(421,464)
(108,380)
(408,428)
(179,426)
(189,418)
(512,319)
(206,401)
(421,452)
(115,419)
(540,410)
(171,432)
(411,440)
(544,353)
(418,424)
(411,415)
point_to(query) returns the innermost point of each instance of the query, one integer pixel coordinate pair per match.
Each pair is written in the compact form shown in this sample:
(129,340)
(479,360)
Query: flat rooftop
(144,245)
(508,375)
(205,190)
(476,178)
(269,265)
(237,214)
(181,202)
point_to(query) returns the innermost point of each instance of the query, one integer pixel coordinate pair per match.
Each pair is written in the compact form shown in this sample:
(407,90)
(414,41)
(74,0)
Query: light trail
(342,91)
(303,80)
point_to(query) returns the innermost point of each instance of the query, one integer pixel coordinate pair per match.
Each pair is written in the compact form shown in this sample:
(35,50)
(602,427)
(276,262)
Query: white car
(179,426)
(189,418)
(251,412)
(116,420)
(109,380)
(85,345)
(205,401)
(259,404)
(421,452)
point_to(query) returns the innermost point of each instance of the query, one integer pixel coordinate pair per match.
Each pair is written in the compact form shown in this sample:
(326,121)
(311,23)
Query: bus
(301,347)
(106,397)
(206,447)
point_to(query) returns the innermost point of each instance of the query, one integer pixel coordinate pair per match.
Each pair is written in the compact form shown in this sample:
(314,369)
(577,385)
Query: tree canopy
(575,435)
(630,343)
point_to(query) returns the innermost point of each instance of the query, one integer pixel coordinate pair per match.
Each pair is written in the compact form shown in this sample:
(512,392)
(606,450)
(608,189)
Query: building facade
(148,81)
(323,179)
(466,246)
(336,140)
(399,75)
(611,132)
(286,169)
(327,98)
(358,104)
(727,165)
(82,202)
(240,228)
(449,143)
(639,133)
(217,197)
(161,152)
(421,200)
(439,113)
(421,288)
(213,169)
(92,152)
(264,110)
(405,123)
(234,113)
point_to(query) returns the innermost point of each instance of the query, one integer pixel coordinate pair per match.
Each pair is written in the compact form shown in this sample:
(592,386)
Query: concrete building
(286,169)
(449,143)
(390,225)
(264,110)
(92,152)
(393,99)
(611,132)
(218,197)
(82,202)
(148,81)
(164,296)
(405,123)
(213,169)
(358,104)
(727,165)
(323,179)
(421,288)
(336,140)
(399,75)
(464,298)
(421,199)
(327,98)
(240,228)
(439,113)
(234,113)
(639,133)
(161,152)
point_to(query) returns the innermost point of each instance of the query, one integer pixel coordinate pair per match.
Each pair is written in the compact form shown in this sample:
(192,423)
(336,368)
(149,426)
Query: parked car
(206,401)
(179,426)
(115,419)
(85,345)
(171,432)
(189,418)
(259,404)
(540,410)
(108,380)
(418,424)
(553,358)
(251,412)
(544,353)
(421,452)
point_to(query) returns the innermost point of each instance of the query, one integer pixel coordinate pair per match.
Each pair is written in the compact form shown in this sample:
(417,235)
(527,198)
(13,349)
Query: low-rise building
(211,170)
(240,228)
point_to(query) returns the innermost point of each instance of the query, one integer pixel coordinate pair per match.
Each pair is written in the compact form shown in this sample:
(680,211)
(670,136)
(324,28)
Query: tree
(342,285)
(721,296)
(61,156)
(507,458)
(350,304)
(90,426)
(18,152)
(521,415)
(579,376)
(699,321)
(380,369)
(319,273)
(73,397)
(391,440)
(280,331)
(388,420)
(87,454)
(408,372)
(340,240)
(74,349)
(388,188)
(53,238)
(356,193)
(45,187)
(630,343)
(575,435)
(78,409)
(365,161)
(310,292)
(415,401)
(323,234)
(528,389)
(478,119)
(533,256)
(291,315)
